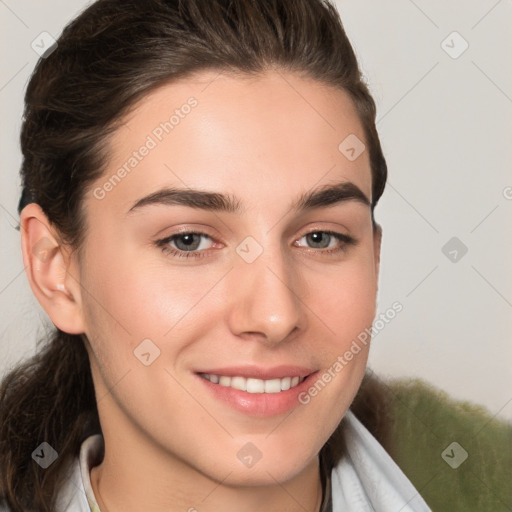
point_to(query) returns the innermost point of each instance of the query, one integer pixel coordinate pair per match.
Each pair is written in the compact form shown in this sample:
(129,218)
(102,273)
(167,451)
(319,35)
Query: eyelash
(163,244)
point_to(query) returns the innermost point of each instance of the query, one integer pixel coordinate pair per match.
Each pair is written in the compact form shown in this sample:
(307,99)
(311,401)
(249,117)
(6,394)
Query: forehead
(270,135)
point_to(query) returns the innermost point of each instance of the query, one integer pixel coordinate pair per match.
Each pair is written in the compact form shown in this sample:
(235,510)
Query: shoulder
(457,452)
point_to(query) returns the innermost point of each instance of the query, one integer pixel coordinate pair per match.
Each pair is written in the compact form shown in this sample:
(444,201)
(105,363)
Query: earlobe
(47,267)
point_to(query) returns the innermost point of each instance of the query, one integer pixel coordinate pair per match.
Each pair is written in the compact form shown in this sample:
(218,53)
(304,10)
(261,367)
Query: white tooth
(225,381)
(273,386)
(239,383)
(255,386)
(286,383)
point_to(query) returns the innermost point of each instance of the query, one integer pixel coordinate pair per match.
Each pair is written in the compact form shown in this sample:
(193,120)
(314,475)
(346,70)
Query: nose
(265,299)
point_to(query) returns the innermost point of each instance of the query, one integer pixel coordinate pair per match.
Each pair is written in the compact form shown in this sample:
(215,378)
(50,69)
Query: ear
(51,271)
(377,241)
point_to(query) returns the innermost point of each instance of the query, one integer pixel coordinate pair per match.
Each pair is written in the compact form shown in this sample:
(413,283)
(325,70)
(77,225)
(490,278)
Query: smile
(251,385)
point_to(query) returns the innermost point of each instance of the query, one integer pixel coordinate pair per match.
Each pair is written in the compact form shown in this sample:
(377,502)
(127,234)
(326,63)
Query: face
(216,297)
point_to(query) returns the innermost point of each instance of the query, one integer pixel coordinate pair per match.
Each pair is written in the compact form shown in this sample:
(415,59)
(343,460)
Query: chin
(253,468)
(265,474)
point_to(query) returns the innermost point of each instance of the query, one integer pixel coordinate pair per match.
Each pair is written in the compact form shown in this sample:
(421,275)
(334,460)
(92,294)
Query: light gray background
(445,124)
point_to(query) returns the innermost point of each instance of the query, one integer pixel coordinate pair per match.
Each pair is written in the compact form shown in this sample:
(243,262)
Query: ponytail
(49,398)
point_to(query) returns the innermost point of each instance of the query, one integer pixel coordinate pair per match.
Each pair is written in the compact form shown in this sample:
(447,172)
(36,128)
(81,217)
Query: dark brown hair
(108,58)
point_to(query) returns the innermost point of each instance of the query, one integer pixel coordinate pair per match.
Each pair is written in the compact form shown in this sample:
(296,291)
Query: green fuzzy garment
(426,423)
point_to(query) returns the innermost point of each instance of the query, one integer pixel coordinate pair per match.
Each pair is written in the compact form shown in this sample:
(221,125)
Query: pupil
(317,237)
(187,242)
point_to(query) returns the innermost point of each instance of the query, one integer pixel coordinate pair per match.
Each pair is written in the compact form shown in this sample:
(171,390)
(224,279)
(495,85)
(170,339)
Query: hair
(107,59)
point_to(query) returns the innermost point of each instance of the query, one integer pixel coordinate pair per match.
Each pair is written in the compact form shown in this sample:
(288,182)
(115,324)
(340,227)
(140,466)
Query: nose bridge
(267,298)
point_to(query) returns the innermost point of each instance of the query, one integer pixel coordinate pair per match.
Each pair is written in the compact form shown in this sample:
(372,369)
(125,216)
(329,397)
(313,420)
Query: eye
(186,244)
(195,244)
(328,241)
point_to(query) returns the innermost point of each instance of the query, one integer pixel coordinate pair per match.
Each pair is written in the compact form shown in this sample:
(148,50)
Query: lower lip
(262,405)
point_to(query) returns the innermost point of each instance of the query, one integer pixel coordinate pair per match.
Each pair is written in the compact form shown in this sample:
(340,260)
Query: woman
(197,221)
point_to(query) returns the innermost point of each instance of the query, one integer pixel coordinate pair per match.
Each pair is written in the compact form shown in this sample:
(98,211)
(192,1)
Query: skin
(169,443)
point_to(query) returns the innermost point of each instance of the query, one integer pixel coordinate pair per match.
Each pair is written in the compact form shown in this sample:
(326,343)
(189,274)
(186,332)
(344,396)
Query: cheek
(136,299)
(346,304)
(346,299)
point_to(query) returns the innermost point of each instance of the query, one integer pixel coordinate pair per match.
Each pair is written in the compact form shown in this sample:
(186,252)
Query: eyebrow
(328,195)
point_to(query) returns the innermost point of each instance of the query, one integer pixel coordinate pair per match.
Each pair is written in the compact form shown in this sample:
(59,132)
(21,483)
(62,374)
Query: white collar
(366,479)
(77,494)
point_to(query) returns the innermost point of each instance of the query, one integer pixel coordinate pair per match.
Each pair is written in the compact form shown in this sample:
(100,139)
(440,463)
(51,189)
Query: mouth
(252,385)
(258,392)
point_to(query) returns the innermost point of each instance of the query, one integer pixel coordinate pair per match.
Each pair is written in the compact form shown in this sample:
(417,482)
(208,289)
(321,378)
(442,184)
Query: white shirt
(365,480)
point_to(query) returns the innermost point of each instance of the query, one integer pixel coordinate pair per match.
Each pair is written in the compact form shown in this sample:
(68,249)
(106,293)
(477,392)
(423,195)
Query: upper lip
(260,372)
